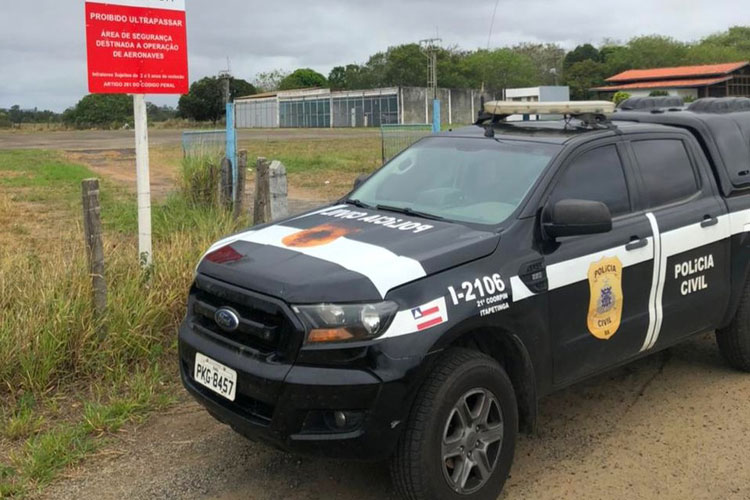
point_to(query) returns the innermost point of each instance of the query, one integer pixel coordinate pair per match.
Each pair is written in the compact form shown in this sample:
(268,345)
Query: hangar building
(323,108)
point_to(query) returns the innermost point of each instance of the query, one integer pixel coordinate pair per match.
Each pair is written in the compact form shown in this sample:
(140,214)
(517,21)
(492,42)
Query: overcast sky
(43,59)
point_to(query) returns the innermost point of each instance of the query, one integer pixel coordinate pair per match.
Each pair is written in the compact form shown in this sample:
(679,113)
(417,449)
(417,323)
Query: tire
(435,430)
(734,340)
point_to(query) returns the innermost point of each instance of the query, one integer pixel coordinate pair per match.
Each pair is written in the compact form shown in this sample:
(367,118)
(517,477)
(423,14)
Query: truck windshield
(461,179)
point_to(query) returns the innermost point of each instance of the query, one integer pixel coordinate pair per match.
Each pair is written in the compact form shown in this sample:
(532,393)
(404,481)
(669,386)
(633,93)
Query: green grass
(62,389)
(23,420)
(40,169)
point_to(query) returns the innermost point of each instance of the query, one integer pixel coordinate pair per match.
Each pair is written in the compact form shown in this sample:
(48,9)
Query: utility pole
(430,49)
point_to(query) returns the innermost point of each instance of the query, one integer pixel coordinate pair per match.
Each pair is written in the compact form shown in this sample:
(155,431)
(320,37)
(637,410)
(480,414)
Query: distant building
(324,108)
(536,94)
(711,80)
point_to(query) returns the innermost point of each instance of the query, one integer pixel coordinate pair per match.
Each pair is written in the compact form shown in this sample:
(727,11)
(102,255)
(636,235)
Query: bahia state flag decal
(431,314)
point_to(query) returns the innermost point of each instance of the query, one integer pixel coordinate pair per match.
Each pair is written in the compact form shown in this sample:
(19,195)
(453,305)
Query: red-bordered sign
(137,47)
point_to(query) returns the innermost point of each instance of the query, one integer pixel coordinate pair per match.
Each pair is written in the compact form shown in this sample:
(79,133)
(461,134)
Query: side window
(665,168)
(596,175)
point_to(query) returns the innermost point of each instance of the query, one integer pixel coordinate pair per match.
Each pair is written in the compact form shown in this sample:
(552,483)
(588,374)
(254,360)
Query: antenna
(489,39)
(492,24)
(430,49)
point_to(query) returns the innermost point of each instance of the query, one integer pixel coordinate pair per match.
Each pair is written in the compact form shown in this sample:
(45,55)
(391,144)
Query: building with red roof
(709,80)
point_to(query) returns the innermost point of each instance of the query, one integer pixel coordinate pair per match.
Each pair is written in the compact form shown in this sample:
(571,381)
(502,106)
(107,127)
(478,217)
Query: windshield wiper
(410,211)
(357,203)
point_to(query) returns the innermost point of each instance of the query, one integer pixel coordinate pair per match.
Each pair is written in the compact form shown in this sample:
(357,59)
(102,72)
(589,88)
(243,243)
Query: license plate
(217,377)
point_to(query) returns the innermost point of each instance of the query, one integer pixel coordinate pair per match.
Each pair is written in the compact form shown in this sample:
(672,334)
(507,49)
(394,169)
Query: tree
(654,51)
(241,88)
(101,110)
(547,60)
(584,75)
(4,119)
(736,38)
(498,69)
(160,113)
(15,114)
(585,52)
(303,78)
(270,80)
(205,101)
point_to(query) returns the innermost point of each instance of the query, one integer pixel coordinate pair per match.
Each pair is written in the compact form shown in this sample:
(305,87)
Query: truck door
(692,221)
(599,285)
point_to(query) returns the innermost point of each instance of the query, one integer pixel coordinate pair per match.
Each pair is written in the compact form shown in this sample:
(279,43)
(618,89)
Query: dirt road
(673,426)
(124,139)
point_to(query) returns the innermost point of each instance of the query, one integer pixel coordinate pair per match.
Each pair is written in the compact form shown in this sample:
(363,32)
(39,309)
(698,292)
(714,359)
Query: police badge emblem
(605,305)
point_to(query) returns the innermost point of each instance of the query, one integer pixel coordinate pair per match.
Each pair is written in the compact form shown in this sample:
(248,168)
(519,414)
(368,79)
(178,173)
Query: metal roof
(677,72)
(664,84)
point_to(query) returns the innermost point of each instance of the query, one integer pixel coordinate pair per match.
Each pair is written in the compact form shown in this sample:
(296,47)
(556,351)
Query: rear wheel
(460,437)
(734,340)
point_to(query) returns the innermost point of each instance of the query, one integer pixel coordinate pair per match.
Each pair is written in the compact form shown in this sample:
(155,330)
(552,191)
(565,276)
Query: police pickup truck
(420,318)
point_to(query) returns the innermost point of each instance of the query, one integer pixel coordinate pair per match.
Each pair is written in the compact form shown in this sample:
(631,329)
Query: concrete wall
(457,106)
(554,94)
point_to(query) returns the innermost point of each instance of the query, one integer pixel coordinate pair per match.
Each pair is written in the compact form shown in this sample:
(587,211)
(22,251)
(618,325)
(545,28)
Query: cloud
(43,59)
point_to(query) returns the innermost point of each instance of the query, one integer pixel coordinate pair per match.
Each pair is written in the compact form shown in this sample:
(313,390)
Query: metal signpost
(138,47)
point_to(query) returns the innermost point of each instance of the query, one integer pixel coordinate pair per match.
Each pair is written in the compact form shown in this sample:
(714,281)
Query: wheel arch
(508,350)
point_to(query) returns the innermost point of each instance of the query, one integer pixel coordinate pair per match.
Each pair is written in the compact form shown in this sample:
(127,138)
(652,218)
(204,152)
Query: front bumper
(280,404)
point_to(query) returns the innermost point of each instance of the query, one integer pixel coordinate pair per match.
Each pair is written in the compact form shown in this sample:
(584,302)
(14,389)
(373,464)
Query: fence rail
(203,141)
(396,138)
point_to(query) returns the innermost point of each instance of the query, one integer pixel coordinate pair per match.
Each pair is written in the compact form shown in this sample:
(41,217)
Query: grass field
(64,391)
(61,387)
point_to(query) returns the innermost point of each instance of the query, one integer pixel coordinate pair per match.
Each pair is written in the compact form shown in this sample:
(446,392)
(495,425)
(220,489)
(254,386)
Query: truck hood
(342,254)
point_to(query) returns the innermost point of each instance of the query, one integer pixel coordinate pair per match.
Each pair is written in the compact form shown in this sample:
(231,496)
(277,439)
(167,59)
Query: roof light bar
(507,108)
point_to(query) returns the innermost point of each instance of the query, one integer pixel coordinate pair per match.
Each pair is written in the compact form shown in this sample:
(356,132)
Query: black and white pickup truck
(420,318)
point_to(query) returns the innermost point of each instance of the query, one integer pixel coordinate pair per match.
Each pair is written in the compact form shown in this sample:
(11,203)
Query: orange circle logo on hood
(317,236)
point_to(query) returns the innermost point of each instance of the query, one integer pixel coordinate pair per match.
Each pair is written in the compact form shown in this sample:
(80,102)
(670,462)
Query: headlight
(346,322)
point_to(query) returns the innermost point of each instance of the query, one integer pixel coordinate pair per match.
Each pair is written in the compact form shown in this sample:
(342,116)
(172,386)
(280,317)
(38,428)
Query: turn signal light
(329,335)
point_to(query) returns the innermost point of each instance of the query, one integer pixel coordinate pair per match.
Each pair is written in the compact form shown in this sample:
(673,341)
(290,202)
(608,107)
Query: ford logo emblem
(227,319)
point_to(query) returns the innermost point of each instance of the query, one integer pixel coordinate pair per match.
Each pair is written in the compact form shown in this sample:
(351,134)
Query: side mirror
(360,180)
(575,218)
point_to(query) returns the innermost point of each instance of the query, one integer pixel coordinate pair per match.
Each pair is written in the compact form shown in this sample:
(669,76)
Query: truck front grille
(266,324)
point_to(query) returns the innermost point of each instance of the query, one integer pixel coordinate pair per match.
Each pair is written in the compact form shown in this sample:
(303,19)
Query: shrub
(619,97)
(658,93)
(199,178)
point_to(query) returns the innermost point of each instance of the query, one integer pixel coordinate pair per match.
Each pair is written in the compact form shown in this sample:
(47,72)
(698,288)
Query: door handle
(709,221)
(636,243)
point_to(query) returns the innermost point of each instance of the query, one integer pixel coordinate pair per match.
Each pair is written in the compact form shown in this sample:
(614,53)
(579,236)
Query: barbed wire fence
(396,138)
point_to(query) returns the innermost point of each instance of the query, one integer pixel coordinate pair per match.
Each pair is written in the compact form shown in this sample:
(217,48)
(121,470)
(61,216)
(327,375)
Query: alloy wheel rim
(472,440)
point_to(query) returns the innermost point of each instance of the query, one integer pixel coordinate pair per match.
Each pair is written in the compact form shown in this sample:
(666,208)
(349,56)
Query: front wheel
(460,438)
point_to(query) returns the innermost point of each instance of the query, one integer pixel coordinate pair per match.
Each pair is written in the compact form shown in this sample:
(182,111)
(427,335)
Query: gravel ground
(675,425)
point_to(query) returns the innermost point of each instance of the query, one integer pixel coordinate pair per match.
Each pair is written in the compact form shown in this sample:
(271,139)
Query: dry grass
(50,355)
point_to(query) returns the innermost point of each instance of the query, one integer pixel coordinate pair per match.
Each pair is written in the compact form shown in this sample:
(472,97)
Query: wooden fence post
(225,183)
(92,227)
(262,205)
(239,203)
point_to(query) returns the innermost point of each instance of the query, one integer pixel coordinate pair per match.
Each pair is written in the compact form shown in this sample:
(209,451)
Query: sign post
(143,181)
(138,47)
